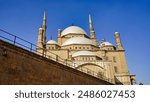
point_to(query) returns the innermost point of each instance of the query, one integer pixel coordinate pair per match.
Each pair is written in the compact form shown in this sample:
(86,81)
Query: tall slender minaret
(92,32)
(44,28)
(42,37)
(118,41)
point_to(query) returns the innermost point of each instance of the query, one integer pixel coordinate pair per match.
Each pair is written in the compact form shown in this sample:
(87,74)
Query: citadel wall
(19,66)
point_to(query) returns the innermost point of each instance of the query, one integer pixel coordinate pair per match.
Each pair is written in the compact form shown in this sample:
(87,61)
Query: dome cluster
(77,40)
(78,49)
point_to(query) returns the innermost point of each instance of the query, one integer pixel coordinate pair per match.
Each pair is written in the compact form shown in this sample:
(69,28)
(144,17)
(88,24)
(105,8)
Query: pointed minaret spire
(92,32)
(44,27)
(44,19)
(90,22)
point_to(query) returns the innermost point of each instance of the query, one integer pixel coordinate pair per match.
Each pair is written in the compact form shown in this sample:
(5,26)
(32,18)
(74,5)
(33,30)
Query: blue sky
(129,17)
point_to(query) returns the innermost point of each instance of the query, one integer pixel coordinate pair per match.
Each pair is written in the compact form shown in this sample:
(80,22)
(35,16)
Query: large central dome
(73,30)
(78,40)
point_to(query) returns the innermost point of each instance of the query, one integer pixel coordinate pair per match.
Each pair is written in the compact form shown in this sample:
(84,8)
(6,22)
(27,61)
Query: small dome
(78,40)
(105,44)
(73,30)
(83,53)
(52,42)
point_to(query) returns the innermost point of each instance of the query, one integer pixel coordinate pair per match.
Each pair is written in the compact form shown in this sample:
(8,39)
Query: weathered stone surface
(19,66)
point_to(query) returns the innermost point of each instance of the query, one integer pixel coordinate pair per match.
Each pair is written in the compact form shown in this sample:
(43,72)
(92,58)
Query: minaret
(59,39)
(41,43)
(92,32)
(59,32)
(118,41)
(39,48)
(44,28)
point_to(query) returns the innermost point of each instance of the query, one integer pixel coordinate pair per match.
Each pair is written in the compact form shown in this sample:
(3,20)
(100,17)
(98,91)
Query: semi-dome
(52,42)
(78,40)
(73,30)
(83,53)
(105,44)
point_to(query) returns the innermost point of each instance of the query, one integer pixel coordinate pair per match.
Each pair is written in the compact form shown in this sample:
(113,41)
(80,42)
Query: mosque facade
(73,45)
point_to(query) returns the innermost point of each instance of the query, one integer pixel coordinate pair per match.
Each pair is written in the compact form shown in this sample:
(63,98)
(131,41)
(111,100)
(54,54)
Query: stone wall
(19,66)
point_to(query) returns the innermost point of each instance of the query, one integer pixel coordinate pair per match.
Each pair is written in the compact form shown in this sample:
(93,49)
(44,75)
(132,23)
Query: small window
(114,59)
(83,47)
(87,47)
(79,47)
(83,58)
(49,47)
(115,68)
(75,47)
(107,58)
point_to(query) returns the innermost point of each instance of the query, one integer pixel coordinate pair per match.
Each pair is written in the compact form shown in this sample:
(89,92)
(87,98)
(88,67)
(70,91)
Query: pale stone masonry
(73,44)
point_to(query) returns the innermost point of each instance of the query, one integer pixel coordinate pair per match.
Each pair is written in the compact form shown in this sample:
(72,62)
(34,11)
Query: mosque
(74,45)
